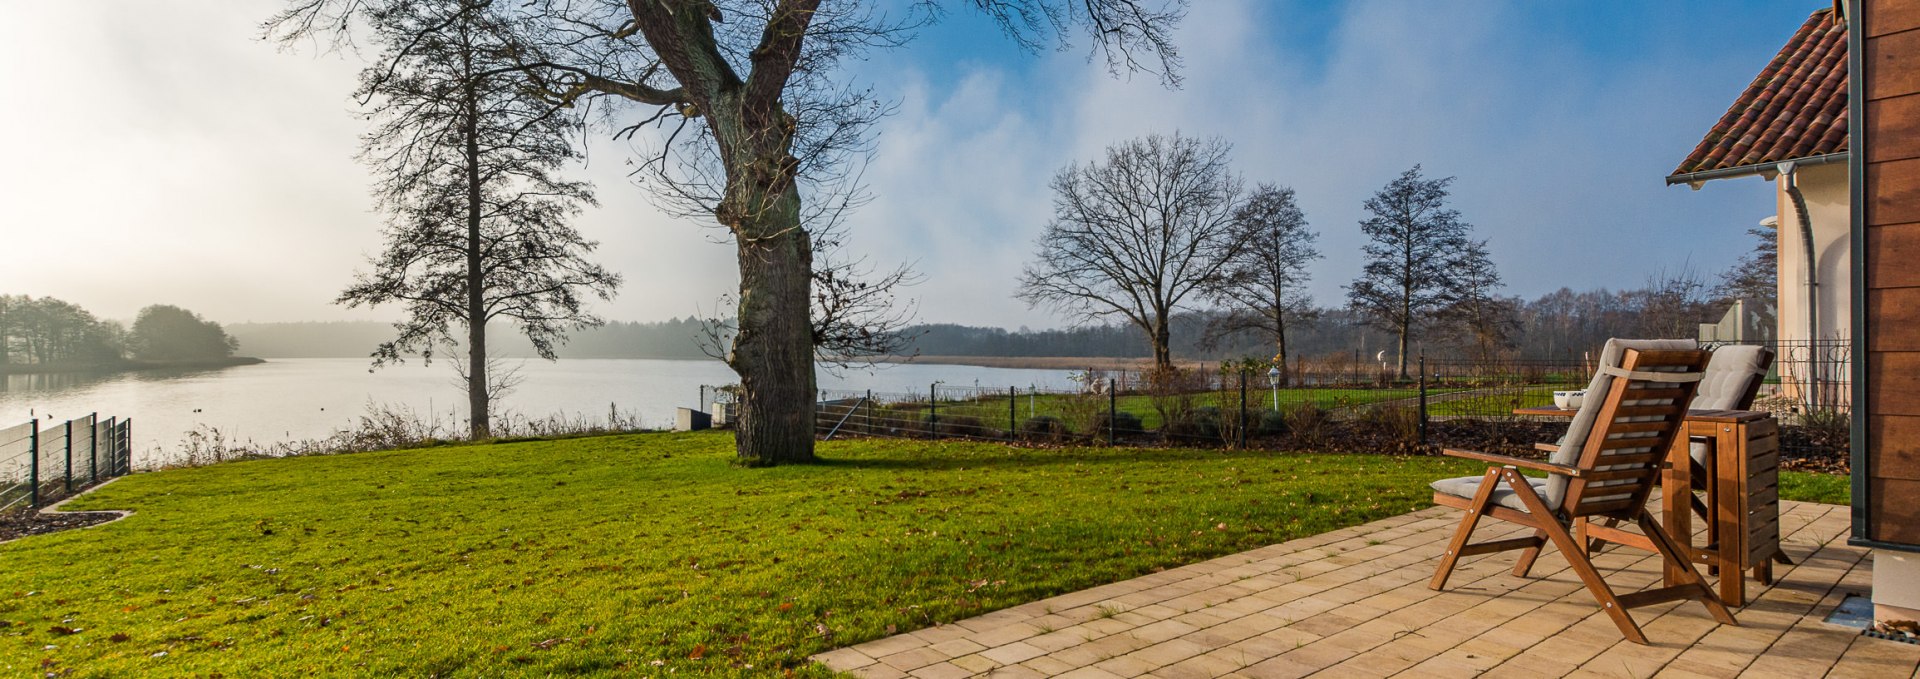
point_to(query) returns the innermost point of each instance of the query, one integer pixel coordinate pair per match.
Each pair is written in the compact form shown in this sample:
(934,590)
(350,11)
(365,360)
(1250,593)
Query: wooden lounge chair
(1605,471)
(1732,382)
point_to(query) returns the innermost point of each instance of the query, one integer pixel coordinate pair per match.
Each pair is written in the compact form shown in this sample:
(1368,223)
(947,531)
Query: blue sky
(195,165)
(1559,120)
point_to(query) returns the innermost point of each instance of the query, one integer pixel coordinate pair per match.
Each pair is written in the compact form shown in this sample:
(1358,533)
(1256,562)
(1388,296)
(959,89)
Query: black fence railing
(41,464)
(1441,403)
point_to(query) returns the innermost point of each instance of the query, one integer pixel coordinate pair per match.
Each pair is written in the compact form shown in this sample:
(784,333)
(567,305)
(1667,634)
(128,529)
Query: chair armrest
(1547,447)
(1522,463)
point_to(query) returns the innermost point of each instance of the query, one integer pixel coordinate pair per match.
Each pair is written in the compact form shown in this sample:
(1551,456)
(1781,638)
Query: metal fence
(1805,391)
(40,465)
(1197,409)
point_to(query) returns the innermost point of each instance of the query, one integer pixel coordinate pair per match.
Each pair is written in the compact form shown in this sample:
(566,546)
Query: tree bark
(477,405)
(1162,338)
(1280,344)
(773,352)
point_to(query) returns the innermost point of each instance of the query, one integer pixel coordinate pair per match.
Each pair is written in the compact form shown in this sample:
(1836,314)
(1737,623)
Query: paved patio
(1355,603)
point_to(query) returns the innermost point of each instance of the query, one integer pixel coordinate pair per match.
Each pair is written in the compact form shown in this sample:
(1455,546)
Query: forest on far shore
(45,334)
(1557,326)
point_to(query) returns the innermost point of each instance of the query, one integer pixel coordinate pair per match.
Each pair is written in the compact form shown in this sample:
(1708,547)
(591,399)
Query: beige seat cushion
(1469,486)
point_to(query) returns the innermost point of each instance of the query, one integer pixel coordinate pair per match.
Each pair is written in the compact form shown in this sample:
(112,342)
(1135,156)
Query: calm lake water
(293,399)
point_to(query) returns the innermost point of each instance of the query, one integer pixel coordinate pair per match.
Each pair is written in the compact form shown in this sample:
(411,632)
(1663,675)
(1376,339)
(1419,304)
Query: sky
(162,153)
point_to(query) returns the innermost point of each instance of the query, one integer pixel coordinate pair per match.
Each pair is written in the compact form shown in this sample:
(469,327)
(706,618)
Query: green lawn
(1496,401)
(608,555)
(1829,489)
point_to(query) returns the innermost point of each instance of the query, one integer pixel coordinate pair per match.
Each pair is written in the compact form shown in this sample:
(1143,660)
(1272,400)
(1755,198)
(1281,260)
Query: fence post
(69,453)
(1113,413)
(869,402)
(1423,399)
(1243,410)
(126,446)
(93,448)
(933,410)
(1013,413)
(33,456)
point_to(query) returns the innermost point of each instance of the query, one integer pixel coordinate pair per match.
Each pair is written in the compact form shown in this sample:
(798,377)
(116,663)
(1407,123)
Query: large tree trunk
(1280,344)
(1160,336)
(1404,329)
(477,404)
(773,352)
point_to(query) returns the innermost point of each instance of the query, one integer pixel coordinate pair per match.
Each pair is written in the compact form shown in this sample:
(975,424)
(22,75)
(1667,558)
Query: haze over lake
(303,398)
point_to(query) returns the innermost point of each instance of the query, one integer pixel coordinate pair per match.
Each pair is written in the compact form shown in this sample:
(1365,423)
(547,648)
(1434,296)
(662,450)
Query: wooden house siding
(1889,149)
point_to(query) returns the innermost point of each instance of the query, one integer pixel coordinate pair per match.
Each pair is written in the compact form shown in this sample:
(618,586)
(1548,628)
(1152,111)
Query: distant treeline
(39,334)
(1560,325)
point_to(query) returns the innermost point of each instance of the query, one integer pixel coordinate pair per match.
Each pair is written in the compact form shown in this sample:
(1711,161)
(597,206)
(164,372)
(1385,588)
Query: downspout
(1788,176)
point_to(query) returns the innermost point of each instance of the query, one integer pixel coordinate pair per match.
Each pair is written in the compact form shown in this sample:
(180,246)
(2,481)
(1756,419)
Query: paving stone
(1354,602)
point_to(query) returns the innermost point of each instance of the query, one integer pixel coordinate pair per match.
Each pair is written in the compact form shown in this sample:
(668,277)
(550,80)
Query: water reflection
(296,399)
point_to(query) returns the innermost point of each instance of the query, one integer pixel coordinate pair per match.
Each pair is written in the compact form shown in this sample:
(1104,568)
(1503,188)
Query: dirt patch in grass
(16,525)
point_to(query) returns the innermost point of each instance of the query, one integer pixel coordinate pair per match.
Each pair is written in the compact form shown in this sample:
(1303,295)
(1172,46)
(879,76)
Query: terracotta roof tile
(1796,108)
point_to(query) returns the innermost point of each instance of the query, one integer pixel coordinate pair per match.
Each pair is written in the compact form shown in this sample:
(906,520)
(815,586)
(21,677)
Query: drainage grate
(1892,636)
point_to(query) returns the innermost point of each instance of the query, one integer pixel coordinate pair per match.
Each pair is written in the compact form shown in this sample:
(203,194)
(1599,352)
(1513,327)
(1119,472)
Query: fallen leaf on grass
(699,651)
(550,643)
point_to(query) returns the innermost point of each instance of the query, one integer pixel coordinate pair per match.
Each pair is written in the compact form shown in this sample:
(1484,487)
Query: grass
(1496,401)
(1832,489)
(644,554)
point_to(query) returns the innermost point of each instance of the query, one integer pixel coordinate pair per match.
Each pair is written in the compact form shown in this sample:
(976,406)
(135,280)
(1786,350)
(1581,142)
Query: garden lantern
(1273,382)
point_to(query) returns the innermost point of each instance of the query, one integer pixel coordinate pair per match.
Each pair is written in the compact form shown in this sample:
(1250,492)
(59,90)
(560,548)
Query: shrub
(1202,422)
(1122,423)
(1307,422)
(1043,428)
(1269,423)
(1399,424)
(954,425)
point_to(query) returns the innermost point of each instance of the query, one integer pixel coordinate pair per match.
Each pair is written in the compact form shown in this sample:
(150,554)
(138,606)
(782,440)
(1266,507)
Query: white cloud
(159,152)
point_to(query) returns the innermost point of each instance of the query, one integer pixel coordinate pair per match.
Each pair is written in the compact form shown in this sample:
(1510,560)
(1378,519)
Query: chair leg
(1528,555)
(1460,535)
(1670,551)
(1577,558)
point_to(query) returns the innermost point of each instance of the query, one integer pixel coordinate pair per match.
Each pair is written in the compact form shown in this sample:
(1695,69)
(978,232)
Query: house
(1834,122)
(1790,128)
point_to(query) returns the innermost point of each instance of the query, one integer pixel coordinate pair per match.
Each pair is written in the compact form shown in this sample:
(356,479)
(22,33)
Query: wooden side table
(1743,496)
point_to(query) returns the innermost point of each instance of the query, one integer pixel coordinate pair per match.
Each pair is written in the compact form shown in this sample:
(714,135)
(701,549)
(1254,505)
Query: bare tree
(1262,286)
(465,158)
(756,129)
(1755,279)
(857,316)
(1673,304)
(1414,260)
(1138,234)
(1486,319)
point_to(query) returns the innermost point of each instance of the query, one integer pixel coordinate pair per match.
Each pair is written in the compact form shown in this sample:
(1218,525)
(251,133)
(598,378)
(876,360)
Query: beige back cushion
(1577,433)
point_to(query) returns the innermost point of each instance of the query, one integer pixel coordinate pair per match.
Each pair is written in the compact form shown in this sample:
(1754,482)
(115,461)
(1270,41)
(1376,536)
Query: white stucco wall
(1815,375)
(1825,189)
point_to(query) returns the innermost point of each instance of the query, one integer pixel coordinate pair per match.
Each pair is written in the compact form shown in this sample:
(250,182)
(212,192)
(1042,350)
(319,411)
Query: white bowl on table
(1570,399)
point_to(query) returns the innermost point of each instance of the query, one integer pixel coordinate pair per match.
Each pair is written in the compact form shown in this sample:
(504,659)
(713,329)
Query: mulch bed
(16,525)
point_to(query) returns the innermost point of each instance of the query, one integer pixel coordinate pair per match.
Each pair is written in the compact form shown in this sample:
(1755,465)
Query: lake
(303,398)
